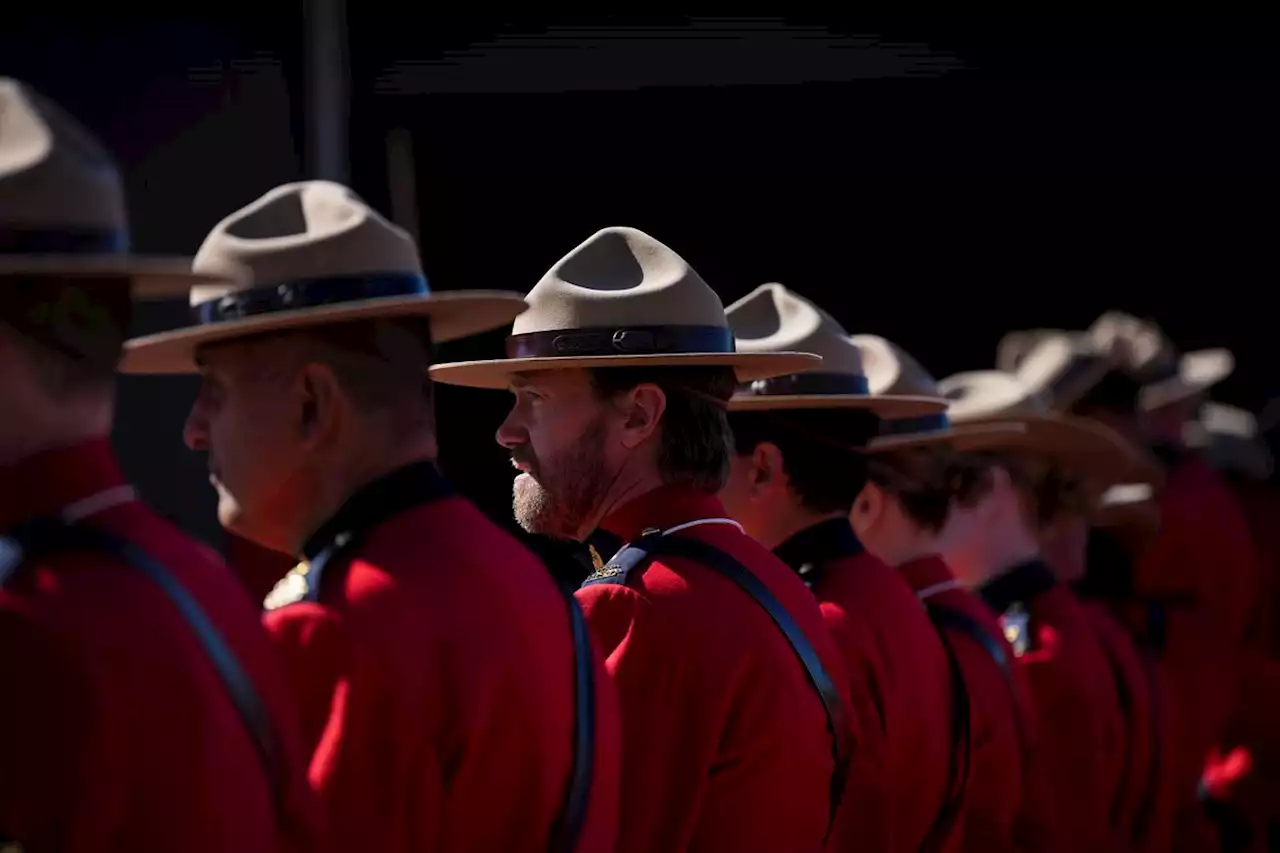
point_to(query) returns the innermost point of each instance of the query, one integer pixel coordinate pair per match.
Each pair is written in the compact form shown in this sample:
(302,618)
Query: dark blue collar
(413,485)
(808,551)
(1020,585)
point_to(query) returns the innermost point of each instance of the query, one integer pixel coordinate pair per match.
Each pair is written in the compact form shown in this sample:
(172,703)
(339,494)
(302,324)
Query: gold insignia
(603,572)
(290,589)
(597,562)
(1015,623)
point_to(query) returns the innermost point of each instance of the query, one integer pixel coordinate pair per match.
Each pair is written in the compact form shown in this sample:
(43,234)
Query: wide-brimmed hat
(62,203)
(774,319)
(1078,444)
(621,299)
(890,370)
(1131,507)
(1150,357)
(317,255)
(1229,438)
(1063,366)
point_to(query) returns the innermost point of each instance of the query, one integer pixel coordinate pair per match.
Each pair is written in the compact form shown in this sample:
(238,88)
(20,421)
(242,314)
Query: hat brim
(453,315)
(1198,371)
(152,277)
(967,438)
(886,406)
(748,366)
(1083,446)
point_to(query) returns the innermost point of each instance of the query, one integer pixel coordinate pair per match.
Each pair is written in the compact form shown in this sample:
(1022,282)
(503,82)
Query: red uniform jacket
(116,732)
(1007,807)
(725,741)
(1143,809)
(1203,565)
(893,655)
(1080,741)
(434,665)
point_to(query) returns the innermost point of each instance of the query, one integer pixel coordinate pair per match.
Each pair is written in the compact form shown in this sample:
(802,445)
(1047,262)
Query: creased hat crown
(774,319)
(892,370)
(304,231)
(620,277)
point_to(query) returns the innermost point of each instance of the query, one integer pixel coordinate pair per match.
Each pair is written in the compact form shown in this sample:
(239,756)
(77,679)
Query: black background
(943,181)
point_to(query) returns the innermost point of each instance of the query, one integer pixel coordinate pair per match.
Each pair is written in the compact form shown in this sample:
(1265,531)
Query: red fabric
(257,568)
(725,741)
(435,676)
(1204,560)
(115,730)
(892,649)
(1143,809)
(1081,731)
(1005,809)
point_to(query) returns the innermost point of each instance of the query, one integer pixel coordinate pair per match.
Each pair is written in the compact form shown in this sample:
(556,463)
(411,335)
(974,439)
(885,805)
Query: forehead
(564,383)
(246,357)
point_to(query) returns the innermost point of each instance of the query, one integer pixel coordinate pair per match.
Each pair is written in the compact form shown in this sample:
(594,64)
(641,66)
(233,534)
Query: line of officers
(782,590)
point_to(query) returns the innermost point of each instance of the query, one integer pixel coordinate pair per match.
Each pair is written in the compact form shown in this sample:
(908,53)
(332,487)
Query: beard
(559,493)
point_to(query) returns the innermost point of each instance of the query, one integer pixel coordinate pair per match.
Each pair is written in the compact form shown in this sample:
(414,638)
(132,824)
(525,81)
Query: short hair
(73,328)
(822,451)
(1051,490)
(926,480)
(695,441)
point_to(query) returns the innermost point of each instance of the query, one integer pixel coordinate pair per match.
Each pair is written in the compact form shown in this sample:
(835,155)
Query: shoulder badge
(1016,624)
(620,564)
(290,589)
(597,562)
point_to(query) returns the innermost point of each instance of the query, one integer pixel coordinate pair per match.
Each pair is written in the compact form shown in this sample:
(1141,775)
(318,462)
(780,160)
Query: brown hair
(1050,490)
(696,443)
(927,479)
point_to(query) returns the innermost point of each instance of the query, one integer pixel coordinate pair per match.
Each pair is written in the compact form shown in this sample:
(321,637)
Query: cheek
(249,443)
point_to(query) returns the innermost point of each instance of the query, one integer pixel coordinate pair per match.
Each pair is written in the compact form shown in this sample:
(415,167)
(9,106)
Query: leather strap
(636,555)
(574,814)
(944,824)
(42,537)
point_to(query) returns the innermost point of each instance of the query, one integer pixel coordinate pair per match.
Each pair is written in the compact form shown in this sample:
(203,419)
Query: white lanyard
(99,502)
(698,521)
(930,591)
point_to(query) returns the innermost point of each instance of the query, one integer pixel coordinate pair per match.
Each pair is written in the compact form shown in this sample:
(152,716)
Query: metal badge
(597,562)
(1016,623)
(290,589)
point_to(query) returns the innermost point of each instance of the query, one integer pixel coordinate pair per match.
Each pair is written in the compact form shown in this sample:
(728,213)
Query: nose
(195,431)
(511,432)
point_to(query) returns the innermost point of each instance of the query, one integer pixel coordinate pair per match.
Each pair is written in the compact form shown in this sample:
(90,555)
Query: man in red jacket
(800,443)
(1032,488)
(448,689)
(904,513)
(734,702)
(143,706)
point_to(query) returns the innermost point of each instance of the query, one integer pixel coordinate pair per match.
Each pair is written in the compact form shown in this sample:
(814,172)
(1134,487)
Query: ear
(320,399)
(868,507)
(768,470)
(641,408)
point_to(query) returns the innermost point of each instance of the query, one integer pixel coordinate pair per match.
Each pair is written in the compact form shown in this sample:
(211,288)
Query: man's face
(249,417)
(561,438)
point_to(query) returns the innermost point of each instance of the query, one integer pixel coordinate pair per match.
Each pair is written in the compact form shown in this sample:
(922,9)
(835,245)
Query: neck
(923,544)
(780,524)
(993,555)
(349,476)
(628,485)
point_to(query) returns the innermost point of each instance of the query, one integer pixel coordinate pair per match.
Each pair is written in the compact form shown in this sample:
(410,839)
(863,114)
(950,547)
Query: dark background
(935,181)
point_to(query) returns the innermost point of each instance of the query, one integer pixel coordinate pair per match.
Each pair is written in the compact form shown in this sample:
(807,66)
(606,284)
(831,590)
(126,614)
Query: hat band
(909,426)
(63,241)
(810,384)
(621,340)
(307,293)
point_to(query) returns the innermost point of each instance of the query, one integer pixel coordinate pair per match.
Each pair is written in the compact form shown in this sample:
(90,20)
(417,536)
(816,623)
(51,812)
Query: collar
(1020,585)
(48,482)
(404,488)
(925,572)
(663,507)
(819,545)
